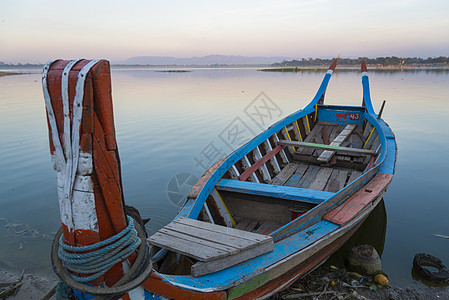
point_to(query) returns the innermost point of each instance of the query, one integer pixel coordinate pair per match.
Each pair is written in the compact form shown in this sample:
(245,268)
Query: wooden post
(82,143)
(381,109)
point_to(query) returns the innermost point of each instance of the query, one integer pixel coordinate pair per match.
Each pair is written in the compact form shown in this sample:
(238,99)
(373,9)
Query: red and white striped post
(84,154)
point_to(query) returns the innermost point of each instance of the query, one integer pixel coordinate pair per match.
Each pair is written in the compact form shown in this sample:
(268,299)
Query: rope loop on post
(102,256)
(137,274)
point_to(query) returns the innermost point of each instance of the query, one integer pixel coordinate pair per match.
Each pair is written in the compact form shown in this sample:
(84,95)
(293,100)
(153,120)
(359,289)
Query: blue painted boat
(279,206)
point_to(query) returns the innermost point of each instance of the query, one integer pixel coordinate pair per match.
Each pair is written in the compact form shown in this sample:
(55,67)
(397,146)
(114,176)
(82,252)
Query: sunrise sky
(36,31)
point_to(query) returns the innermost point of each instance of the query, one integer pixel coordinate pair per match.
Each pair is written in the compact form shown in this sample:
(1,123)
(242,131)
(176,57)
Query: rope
(103,255)
(137,274)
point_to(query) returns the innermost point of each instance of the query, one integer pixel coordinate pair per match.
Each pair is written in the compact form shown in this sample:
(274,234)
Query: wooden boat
(279,206)
(270,212)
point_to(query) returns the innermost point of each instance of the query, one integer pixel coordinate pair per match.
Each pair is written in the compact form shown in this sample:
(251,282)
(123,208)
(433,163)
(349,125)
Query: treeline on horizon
(384,61)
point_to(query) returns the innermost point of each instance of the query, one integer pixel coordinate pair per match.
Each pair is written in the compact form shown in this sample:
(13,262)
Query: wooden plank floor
(314,177)
(257,226)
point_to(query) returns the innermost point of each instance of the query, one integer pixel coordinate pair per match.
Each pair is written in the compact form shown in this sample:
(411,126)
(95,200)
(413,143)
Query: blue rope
(102,256)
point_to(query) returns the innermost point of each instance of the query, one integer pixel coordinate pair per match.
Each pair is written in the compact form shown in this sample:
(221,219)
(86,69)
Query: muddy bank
(24,286)
(332,283)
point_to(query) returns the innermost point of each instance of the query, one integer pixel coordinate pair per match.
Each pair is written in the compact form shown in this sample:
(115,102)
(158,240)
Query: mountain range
(204,60)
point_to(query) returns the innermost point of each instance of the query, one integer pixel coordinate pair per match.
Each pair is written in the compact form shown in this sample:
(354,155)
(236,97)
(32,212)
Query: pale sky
(35,31)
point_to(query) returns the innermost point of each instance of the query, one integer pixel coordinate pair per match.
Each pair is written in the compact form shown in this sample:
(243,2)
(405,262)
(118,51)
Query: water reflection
(371,232)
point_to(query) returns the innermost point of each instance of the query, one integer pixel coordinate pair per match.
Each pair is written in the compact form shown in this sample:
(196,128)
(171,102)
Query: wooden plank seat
(215,247)
(330,147)
(276,191)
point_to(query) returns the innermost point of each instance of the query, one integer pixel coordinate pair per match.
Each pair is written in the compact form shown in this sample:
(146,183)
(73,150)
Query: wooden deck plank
(310,138)
(308,177)
(208,235)
(267,227)
(293,180)
(334,184)
(216,247)
(327,155)
(353,176)
(319,140)
(242,224)
(215,244)
(321,179)
(252,225)
(222,230)
(285,174)
(302,168)
(356,142)
(360,199)
(186,247)
(338,182)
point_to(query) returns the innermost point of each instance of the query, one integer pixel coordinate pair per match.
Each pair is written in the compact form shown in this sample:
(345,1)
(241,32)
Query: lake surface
(165,123)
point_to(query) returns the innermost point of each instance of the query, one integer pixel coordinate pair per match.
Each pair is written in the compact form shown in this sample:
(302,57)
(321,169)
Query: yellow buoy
(381,279)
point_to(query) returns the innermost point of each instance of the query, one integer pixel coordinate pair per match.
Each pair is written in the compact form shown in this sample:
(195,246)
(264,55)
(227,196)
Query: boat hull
(283,273)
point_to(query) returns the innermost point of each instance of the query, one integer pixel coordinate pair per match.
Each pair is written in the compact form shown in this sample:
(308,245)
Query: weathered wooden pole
(84,154)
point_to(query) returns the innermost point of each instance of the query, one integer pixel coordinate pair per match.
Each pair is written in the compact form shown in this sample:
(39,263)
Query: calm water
(165,121)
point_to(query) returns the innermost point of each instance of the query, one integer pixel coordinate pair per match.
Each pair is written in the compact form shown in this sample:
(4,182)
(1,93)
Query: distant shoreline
(9,73)
(354,68)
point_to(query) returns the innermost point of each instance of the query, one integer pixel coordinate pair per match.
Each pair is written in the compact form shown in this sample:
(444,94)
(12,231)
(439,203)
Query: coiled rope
(102,256)
(139,271)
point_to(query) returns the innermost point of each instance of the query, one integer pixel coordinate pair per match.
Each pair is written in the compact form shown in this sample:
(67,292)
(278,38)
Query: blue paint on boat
(340,115)
(367,95)
(293,180)
(276,191)
(389,164)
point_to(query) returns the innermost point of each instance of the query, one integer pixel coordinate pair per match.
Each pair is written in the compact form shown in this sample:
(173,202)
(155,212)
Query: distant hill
(203,60)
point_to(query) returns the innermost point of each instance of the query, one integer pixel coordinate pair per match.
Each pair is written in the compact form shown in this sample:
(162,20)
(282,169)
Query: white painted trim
(68,150)
(208,214)
(82,183)
(58,157)
(274,161)
(77,206)
(246,165)
(221,207)
(83,211)
(85,166)
(364,73)
(329,72)
(282,152)
(234,172)
(263,168)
